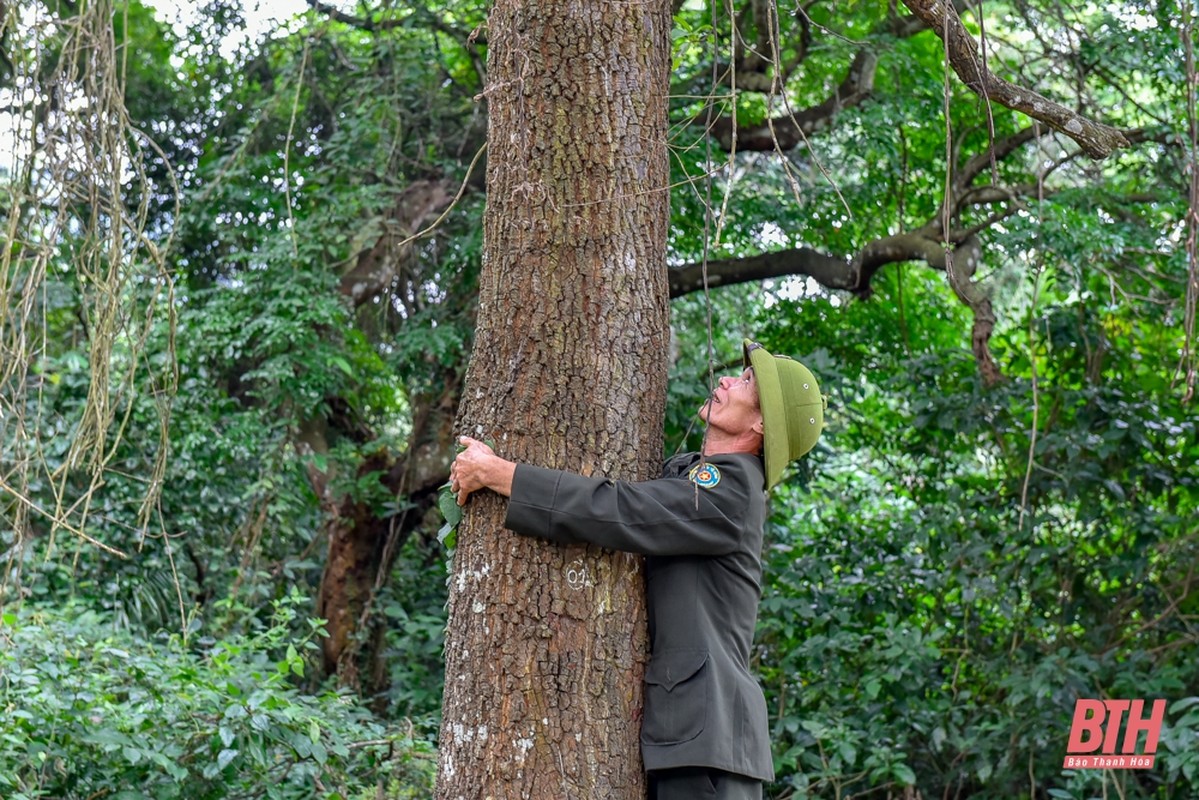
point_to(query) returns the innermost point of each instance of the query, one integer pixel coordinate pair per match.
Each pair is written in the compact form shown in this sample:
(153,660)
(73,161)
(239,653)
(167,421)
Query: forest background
(229,369)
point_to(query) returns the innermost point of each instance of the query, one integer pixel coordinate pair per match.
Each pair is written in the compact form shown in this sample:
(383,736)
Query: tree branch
(786,131)
(1096,139)
(855,275)
(465,38)
(960,267)
(379,261)
(850,274)
(829,271)
(1000,150)
(362,23)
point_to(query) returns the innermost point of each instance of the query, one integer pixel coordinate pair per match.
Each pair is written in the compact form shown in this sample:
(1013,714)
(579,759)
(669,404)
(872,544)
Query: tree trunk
(545,645)
(363,545)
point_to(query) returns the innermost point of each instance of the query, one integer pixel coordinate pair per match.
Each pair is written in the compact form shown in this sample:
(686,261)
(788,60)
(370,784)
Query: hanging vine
(1187,364)
(76,200)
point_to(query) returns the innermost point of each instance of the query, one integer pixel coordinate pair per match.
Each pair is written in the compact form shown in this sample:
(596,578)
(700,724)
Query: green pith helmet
(792,408)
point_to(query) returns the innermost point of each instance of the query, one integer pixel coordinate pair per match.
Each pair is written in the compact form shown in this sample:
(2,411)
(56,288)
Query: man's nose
(725,381)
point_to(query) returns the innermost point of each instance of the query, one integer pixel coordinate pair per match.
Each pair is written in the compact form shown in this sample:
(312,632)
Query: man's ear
(758,427)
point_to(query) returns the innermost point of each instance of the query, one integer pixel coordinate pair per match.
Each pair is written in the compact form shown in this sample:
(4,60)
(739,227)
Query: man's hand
(478,467)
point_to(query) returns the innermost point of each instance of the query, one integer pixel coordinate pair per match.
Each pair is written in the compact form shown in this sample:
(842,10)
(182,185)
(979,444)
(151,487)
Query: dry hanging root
(75,210)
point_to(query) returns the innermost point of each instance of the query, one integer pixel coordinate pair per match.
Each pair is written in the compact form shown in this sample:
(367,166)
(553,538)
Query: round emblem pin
(705,475)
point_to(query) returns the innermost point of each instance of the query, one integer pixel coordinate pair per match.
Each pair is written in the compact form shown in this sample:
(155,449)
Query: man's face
(733,407)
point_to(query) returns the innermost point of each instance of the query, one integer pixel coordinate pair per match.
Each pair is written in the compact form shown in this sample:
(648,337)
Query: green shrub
(93,711)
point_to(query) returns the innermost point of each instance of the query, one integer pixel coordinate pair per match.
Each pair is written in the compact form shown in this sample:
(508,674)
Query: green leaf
(1186,702)
(224,758)
(904,774)
(448,503)
(814,727)
(445,535)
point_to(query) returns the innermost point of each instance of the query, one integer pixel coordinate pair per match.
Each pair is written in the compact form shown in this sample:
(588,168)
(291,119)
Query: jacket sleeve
(669,516)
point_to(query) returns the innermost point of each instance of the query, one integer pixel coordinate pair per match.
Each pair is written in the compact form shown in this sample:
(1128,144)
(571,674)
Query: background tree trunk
(545,645)
(363,544)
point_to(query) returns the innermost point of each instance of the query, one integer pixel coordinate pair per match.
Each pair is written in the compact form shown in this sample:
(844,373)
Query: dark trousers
(701,783)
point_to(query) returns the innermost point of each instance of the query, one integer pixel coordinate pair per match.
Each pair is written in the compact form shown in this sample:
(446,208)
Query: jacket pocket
(676,697)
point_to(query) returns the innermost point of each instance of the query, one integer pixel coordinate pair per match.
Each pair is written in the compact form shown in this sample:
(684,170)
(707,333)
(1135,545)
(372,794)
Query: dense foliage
(93,710)
(958,561)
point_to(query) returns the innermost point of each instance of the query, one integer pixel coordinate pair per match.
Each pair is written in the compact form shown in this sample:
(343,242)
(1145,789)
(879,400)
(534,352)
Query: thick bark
(545,644)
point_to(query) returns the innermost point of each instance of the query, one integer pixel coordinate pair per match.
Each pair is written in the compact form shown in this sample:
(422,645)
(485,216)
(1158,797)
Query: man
(704,731)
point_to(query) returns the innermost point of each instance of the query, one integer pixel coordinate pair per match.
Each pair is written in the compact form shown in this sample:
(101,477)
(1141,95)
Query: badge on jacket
(705,475)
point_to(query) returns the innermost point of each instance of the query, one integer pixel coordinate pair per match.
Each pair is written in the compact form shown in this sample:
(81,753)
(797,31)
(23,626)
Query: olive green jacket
(703,544)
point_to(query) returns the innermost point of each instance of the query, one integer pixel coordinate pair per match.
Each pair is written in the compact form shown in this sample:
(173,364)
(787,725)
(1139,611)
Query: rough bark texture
(545,644)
